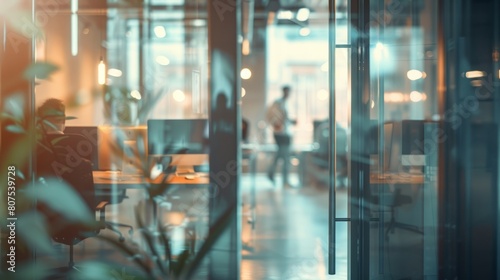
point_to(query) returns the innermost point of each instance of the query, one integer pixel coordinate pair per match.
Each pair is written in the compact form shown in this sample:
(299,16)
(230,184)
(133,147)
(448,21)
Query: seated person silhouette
(50,125)
(58,157)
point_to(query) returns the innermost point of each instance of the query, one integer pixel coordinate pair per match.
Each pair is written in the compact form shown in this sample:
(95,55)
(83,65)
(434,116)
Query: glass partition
(122,65)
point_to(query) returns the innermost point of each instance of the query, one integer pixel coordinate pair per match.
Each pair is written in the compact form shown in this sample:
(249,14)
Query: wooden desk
(396,178)
(108,179)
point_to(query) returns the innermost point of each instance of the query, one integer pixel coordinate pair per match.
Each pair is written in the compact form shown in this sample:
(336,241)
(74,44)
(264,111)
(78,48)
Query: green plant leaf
(40,70)
(15,128)
(63,199)
(149,237)
(30,270)
(129,252)
(32,228)
(13,108)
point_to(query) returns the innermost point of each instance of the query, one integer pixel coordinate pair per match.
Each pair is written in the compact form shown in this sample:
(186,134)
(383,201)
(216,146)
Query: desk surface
(396,178)
(109,178)
(105,179)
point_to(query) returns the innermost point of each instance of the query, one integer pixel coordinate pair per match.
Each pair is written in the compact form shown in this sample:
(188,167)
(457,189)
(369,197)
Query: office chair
(110,197)
(398,201)
(75,148)
(55,160)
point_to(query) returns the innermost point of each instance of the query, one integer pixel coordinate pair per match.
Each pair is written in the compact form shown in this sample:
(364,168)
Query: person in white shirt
(277,117)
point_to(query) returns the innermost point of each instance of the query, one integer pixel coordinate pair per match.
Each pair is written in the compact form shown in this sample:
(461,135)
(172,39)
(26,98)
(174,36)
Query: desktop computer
(412,139)
(381,156)
(179,143)
(123,148)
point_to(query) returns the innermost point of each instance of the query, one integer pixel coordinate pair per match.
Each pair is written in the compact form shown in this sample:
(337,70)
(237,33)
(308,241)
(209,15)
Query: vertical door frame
(360,98)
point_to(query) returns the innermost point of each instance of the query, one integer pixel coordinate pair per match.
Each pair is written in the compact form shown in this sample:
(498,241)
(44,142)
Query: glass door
(384,105)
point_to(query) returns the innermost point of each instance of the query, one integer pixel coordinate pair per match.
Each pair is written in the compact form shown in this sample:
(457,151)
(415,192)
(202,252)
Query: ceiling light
(303,14)
(199,22)
(115,72)
(474,74)
(136,94)
(101,72)
(162,60)
(414,74)
(160,31)
(245,47)
(380,52)
(304,31)
(285,15)
(415,96)
(245,73)
(179,95)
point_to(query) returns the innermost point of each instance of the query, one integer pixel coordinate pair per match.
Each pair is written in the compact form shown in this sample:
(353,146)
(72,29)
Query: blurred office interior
(404,187)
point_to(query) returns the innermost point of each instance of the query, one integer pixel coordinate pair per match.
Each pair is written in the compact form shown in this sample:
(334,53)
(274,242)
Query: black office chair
(113,197)
(57,160)
(75,148)
(399,200)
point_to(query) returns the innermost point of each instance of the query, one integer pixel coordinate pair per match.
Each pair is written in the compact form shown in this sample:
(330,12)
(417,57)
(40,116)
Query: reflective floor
(288,239)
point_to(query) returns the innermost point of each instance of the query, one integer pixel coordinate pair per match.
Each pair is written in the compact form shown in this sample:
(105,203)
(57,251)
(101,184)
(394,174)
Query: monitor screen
(184,141)
(412,135)
(374,147)
(122,148)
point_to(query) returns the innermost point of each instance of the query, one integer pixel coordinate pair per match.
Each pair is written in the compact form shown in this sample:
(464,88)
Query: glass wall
(403,113)
(122,120)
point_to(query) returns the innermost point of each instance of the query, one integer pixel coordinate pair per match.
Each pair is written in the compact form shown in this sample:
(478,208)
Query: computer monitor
(374,147)
(89,149)
(123,148)
(183,142)
(412,139)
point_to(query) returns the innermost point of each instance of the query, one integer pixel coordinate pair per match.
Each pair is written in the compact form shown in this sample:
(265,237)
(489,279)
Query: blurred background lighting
(322,94)
(245,47)
(285,15)
(243,92)
(160,31)
(179,95)
(245,73)
(324,67)
(115,72)
(74,27)
(136,94)
(162,60)
(101,72)
(415,96)
(380,52)
(394,97)
(476,83)
(304,31)
(414,74)
(303,14)
(474,74)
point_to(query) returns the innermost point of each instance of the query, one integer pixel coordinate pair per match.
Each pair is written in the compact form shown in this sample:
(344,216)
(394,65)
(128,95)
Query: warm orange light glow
(245,47)
(101,73)
(474,74)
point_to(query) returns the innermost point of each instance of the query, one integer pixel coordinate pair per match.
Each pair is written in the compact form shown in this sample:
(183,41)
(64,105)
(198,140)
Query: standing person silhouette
(277,117)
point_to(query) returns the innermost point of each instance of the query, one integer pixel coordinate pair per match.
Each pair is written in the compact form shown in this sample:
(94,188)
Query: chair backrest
(63,156)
